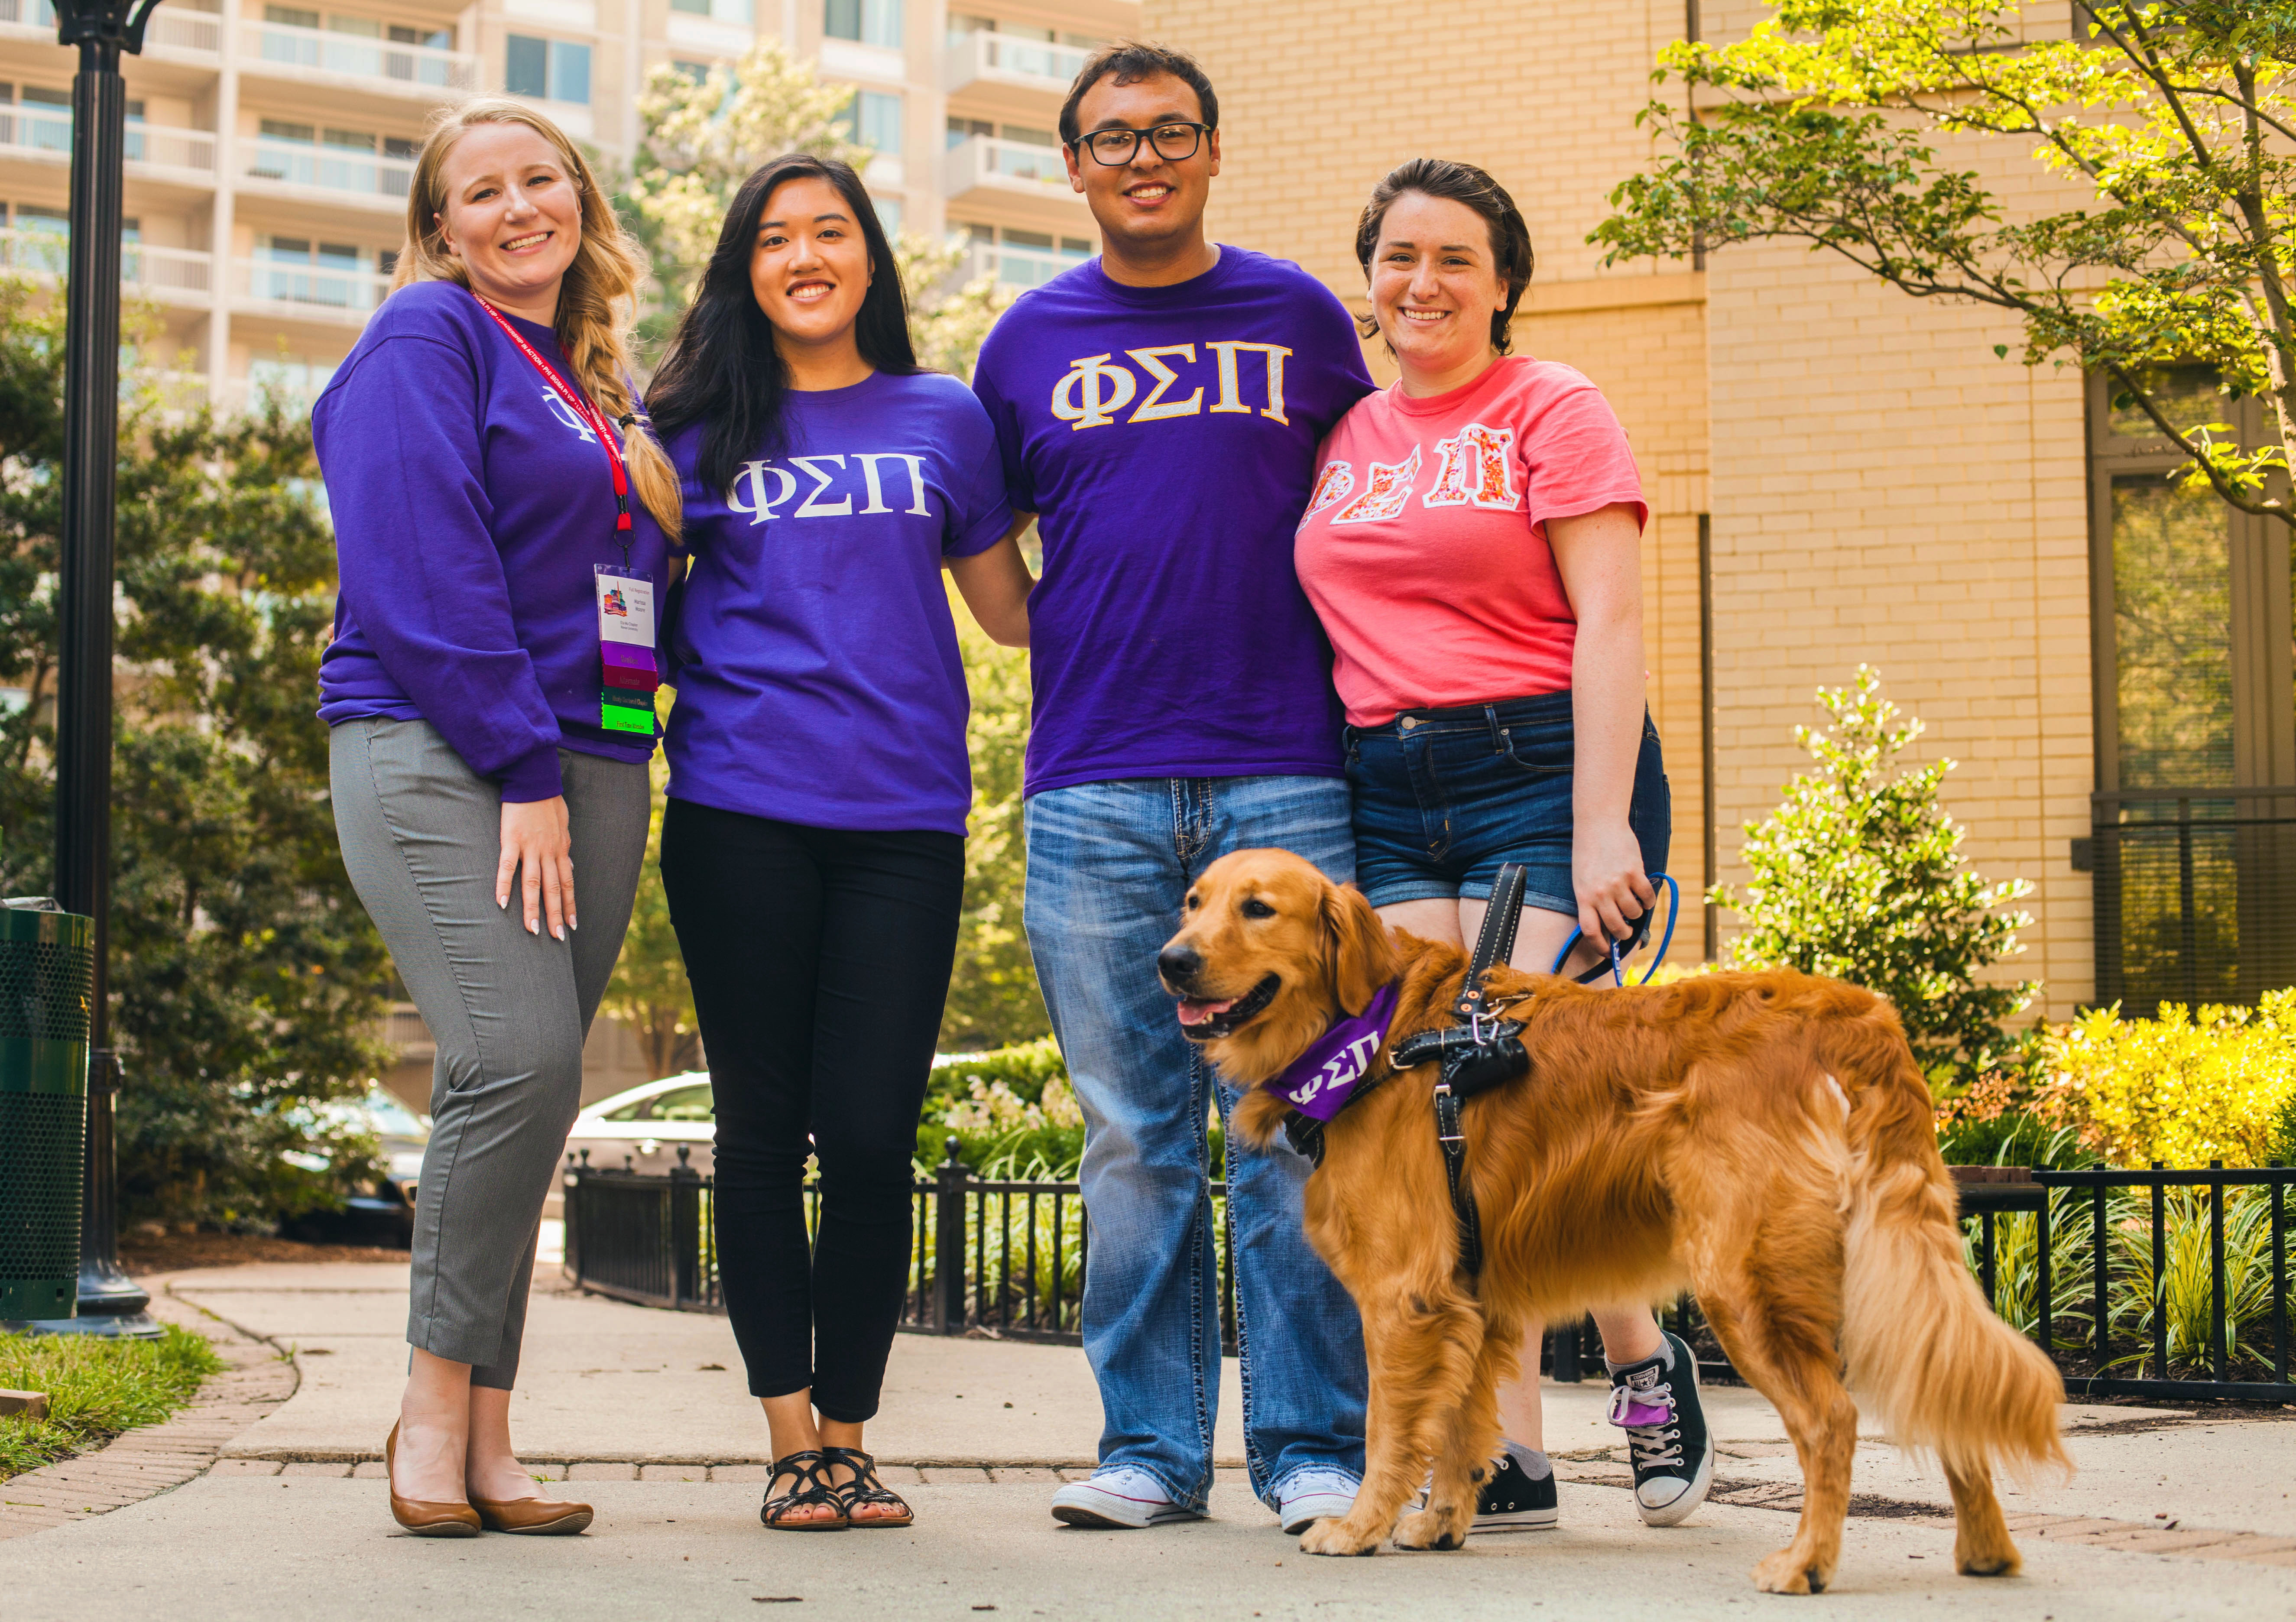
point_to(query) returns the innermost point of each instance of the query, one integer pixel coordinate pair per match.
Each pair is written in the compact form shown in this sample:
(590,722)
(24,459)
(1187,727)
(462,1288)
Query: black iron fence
(2155,1282)
(2195,894)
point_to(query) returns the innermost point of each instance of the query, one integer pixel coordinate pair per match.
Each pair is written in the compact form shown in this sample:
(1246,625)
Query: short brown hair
(1461,183)
(1128,62)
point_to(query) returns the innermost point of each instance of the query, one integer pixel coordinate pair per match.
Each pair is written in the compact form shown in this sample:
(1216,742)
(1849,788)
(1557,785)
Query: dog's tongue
(1196,1010)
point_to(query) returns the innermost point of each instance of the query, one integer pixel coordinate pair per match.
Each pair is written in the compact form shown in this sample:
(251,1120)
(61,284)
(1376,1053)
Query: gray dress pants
(421,834)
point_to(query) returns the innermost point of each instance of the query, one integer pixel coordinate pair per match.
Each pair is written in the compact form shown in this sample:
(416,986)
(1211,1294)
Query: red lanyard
(582,407)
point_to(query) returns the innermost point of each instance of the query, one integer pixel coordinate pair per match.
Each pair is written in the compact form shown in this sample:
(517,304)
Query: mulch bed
(142,1253)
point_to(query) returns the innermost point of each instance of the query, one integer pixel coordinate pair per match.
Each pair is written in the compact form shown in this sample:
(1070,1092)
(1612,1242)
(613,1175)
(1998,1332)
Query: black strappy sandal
(865,1488)
(813,1488)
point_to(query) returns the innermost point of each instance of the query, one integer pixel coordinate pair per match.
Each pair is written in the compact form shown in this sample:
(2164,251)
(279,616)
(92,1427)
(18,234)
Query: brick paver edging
(137,1465)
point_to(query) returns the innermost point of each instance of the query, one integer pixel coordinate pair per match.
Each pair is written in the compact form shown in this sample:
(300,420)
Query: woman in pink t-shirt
(1472,546)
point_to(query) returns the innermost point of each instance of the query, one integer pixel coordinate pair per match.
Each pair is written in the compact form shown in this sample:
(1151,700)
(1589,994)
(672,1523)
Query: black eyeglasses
(1171,142)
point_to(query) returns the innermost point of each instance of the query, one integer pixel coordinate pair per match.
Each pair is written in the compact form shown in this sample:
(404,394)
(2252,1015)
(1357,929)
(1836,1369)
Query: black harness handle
(1480,1052)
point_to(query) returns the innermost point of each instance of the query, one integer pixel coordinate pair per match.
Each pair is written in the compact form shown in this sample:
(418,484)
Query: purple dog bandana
(1320,1081)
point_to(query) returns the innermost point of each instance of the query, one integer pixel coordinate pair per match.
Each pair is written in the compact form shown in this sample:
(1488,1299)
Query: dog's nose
(1179,964)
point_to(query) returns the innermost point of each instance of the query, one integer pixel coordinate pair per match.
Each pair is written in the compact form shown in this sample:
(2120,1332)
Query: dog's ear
(1362,958)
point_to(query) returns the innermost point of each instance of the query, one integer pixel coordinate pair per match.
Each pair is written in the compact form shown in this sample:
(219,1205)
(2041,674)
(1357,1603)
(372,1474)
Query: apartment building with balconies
(270,146)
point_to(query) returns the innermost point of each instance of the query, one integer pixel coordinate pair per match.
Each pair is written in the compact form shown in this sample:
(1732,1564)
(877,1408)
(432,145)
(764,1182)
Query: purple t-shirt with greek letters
(1166,438)
(816,662)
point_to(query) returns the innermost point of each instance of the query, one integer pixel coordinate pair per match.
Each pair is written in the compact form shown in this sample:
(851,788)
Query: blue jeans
(1443,797)
(1108,863)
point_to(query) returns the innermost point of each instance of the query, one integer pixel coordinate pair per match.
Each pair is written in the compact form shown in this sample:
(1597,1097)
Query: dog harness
(1479,1054)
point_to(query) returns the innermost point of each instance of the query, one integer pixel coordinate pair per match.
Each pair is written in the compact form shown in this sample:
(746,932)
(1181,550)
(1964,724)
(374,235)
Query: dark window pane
(841,18)
(2172,633)
(2186,395)
(526,66)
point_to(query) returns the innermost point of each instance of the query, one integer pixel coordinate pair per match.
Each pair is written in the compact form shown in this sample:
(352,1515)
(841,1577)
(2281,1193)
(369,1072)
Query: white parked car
(644,1126)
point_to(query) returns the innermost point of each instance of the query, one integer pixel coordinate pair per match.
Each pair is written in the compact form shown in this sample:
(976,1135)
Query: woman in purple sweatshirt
(504,522)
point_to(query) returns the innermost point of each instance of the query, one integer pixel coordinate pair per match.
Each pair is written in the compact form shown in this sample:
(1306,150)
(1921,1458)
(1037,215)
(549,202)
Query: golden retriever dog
(1763,1139)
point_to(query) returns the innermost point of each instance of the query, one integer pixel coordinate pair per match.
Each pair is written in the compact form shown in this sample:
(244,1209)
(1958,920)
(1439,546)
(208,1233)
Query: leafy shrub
(2183,1089)
(2185,1292)
(1859,875)
(1011,1105)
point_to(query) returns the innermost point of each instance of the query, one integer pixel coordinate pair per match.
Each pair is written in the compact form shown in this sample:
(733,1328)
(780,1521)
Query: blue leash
(1617,958)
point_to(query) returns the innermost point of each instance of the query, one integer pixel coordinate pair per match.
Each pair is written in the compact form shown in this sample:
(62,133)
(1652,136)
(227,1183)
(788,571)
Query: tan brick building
(1875,485)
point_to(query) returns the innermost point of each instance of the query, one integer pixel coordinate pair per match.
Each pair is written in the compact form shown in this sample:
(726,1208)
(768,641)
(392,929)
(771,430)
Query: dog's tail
(1948,1376)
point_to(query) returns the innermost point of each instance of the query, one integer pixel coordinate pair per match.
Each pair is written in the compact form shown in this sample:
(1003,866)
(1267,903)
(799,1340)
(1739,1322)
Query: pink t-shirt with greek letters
(1424,547)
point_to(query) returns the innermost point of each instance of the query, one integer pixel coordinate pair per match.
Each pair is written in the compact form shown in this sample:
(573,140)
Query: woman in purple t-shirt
(813,848)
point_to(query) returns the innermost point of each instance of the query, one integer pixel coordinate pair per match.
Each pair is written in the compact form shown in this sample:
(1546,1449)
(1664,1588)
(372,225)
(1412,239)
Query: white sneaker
(1314,1496)
(1121,1497)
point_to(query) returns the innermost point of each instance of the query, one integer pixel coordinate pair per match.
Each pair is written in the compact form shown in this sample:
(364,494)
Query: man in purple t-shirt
(1158,410)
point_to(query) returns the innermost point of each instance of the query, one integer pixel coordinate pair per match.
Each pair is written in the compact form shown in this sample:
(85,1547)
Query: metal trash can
(47,970)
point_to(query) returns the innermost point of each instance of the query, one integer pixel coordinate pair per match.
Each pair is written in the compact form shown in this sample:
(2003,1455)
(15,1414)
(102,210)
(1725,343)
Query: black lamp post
(110,1302)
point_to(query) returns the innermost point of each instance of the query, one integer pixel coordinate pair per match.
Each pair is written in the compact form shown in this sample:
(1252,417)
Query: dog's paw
(1336,1538)
(1988,1562)
(1789,1571)
(1432,1529)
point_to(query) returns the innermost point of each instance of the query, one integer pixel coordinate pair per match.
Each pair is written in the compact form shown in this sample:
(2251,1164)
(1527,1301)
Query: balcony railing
(1015,266)
(176,30)
(142,269)
(386,63)
(1006,166)
(181,30)
(2195,894)
(310,291)
(1029,64)
(330,169)
(25,129)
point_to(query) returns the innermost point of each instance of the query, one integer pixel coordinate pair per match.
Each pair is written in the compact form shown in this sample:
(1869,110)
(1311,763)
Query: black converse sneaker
(1513,1500)
(1656,1403)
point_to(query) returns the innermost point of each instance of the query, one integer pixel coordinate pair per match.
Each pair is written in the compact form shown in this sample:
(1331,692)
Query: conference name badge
(626,651)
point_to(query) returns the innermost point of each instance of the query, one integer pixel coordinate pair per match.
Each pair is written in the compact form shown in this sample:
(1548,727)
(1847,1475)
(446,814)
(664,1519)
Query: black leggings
(820,960)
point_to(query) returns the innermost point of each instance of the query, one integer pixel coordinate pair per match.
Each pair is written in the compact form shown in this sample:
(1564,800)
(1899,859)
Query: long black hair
(723,368)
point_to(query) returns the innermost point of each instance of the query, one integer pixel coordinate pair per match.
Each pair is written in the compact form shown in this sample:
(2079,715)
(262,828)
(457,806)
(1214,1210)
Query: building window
(2190,624)
(961,130)
(548,69)
(718,11)
(873,119)
(888,214)
(871,23)
(1023,258)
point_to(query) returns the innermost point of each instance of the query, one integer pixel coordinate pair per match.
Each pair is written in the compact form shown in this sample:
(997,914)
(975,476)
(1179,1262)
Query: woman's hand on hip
(1606,870)
(537,843)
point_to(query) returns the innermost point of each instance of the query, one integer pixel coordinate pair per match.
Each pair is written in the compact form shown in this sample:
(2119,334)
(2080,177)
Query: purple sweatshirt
(470,506)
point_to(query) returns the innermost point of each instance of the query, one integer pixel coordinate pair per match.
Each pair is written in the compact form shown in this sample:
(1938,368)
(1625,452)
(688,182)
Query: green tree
(246,980)
(993,999)
(1858,875)
(649,992)
(2169,128)
(704,137)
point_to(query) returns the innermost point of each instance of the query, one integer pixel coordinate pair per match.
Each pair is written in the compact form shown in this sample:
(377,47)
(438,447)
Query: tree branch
(2226,491)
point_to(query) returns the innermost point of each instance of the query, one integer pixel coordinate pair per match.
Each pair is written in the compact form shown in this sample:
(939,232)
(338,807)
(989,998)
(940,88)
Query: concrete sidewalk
(2172,1515)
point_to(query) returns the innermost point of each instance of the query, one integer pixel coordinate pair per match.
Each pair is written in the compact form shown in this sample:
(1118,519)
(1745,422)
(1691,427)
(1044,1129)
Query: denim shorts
(1443,797)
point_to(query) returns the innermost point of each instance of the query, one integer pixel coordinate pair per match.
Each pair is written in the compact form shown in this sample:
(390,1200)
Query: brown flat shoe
(538,1517)
(422,1518)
